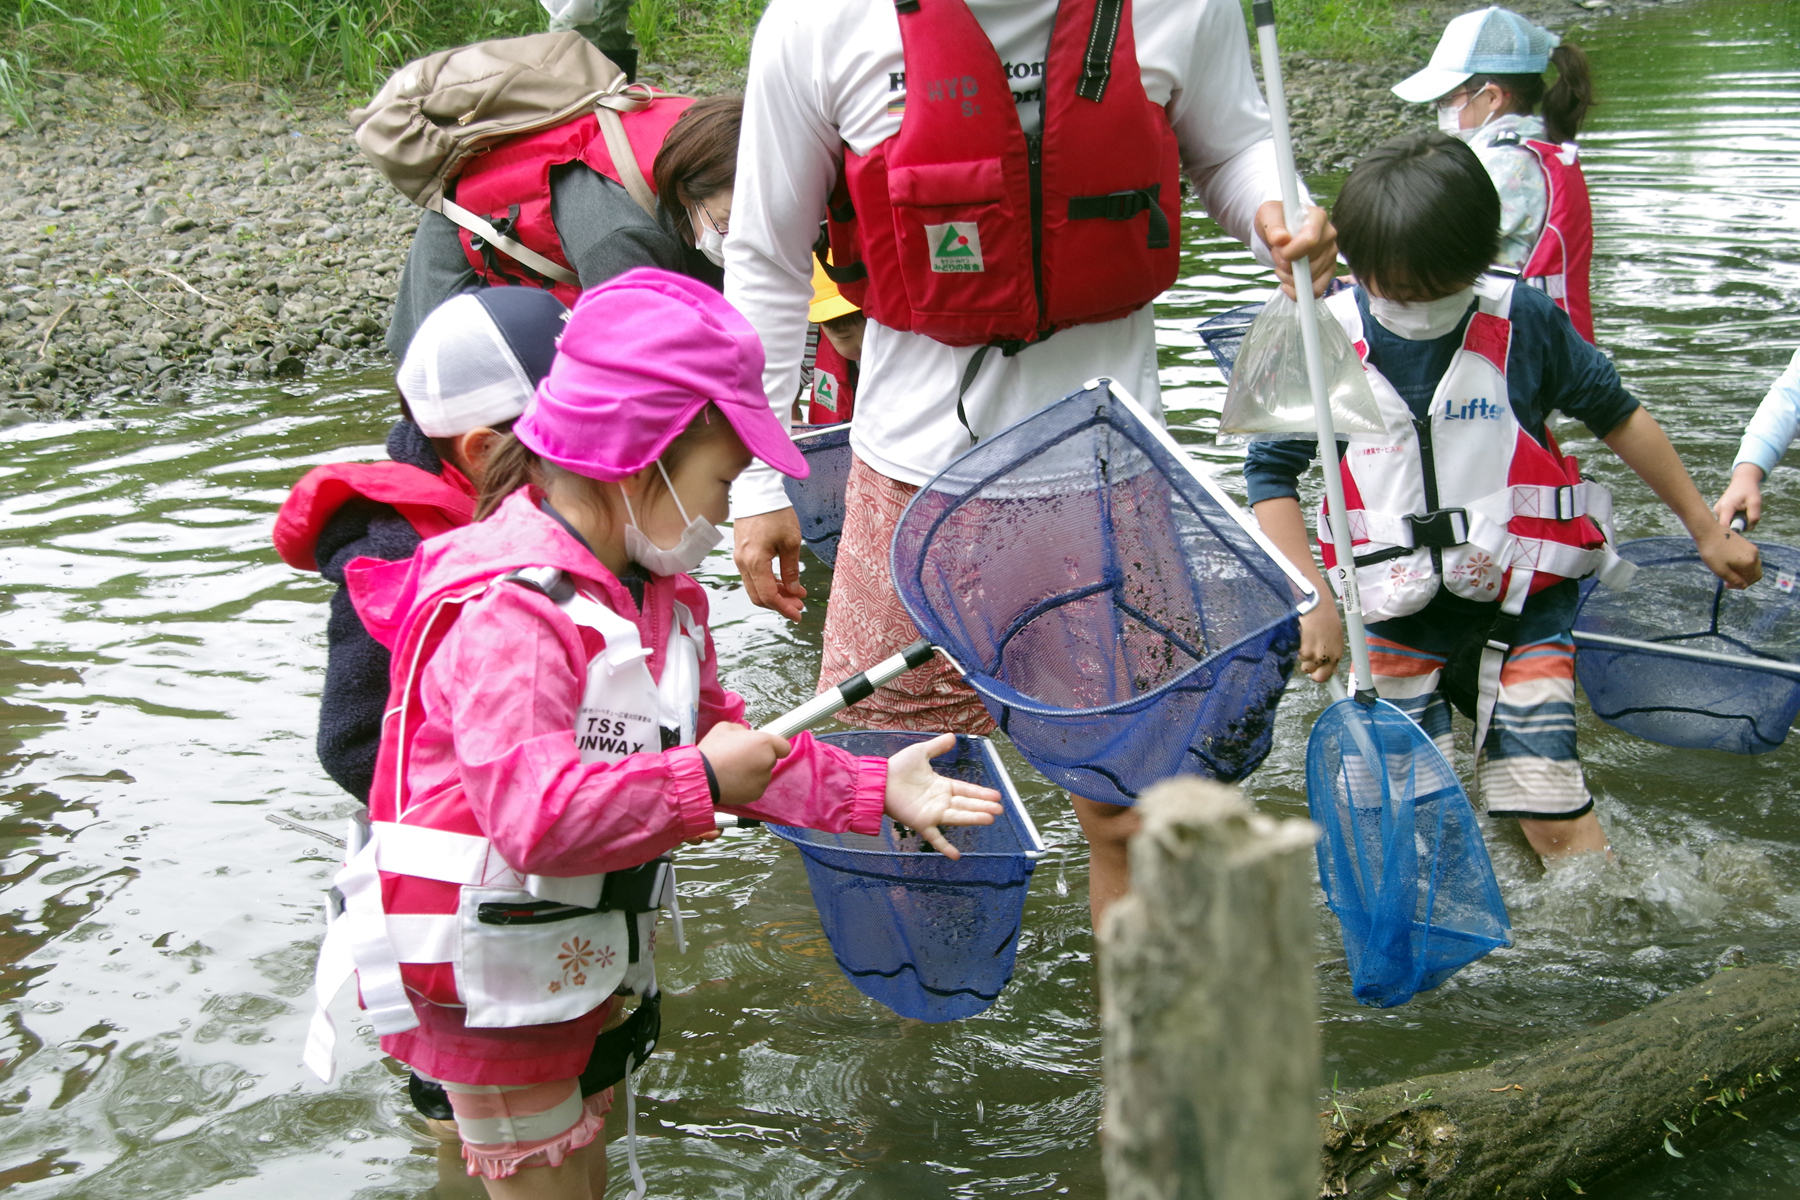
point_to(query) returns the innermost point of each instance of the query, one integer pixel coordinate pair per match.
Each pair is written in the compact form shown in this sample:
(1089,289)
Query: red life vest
(1467,500)
(833,386)
(432,504)
(963,228)
(510,186)
(1559,263)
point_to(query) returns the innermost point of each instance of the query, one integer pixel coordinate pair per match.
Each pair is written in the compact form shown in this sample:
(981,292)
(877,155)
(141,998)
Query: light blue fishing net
(930,938)
(1401,859)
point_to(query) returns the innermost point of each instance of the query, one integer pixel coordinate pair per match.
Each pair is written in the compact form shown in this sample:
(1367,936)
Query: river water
(158,679)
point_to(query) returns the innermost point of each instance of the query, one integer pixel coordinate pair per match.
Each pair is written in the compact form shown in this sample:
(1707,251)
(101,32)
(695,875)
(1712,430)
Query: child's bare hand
(742,760)
(1732,558)
(921,799)
(1321,641)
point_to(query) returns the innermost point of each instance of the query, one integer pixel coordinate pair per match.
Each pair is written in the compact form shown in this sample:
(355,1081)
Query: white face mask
(697,540)
(712,242)
(1450,119)
(1424,320)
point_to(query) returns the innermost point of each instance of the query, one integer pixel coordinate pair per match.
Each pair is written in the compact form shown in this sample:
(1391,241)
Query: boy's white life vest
(1559,263)
(525,949)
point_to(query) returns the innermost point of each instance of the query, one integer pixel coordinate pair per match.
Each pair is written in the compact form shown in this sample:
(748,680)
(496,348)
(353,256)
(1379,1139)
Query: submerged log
(1561,1117)
(1209,1007)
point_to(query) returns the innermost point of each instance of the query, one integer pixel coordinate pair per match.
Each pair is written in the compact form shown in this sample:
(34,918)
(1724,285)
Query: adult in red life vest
(469,372)
(1487,80)
(580,219)
(837,359)
(1003,182)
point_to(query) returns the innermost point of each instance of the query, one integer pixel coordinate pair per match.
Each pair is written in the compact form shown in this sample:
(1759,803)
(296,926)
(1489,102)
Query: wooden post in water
(1209,1007)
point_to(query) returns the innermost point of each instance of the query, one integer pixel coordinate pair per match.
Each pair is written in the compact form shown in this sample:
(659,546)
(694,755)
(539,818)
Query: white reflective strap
(378,971)
(583,891)
(446,857)
(1563,503)
(423,937)
(1556,558)
(330,974)
(1554,286)
(670,901)
(1493,657)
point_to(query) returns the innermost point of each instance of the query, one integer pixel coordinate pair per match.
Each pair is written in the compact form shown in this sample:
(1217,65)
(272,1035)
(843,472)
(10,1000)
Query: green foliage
(1349,29)
(167,46)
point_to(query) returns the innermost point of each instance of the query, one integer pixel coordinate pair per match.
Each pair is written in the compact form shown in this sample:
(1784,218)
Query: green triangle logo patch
(954,248)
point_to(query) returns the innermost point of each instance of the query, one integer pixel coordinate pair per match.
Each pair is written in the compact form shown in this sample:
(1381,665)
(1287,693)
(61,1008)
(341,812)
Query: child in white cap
(1487,79)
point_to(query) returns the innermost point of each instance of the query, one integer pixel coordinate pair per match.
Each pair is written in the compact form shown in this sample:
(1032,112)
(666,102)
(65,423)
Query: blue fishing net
(1224,333)
(1674,600)
(930,938)
(818,499)
(1401,859)
(1114,610)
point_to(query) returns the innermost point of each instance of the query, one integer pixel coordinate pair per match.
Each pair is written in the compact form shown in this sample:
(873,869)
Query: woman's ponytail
(1567,101)
(510,466)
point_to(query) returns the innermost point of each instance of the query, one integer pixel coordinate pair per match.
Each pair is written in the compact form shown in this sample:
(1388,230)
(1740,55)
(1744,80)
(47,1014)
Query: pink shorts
(865,622)
(505,1127)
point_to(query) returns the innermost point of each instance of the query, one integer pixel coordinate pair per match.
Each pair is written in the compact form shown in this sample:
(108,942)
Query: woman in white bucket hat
(1487,79)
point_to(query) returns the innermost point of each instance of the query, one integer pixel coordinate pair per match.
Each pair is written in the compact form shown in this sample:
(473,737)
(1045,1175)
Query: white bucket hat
(1489,41)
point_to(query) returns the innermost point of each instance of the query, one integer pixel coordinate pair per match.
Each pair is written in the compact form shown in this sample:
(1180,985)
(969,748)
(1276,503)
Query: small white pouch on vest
(532,970)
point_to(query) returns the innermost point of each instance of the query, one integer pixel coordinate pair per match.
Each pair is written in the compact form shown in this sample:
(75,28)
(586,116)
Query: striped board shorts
(865,622)
(1529,767)
(506,1127)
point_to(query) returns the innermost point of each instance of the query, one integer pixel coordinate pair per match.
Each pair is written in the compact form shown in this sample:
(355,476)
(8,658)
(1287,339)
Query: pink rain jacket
(492,752)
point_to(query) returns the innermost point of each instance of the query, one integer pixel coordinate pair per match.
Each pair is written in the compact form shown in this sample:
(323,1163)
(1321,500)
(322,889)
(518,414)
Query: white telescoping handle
(1264,13)
(834,700)
(859,686)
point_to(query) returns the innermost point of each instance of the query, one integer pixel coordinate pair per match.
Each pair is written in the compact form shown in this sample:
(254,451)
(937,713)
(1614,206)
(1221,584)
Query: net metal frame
(930,938)
(1056,737)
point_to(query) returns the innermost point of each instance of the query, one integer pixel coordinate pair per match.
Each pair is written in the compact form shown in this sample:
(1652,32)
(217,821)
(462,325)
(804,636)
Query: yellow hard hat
(826,302)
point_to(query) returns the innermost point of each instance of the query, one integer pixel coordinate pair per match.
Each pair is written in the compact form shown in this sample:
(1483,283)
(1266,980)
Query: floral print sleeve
(1520,181)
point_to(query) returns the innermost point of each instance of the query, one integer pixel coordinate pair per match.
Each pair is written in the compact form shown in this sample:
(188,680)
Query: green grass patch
(1351,30)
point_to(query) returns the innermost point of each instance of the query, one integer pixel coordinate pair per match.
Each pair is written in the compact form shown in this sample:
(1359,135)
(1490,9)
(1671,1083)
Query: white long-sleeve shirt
(824,74)
(1772,429)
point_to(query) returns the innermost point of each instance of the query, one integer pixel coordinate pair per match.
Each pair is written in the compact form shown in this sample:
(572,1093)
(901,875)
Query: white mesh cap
(463,371)
(1489,41)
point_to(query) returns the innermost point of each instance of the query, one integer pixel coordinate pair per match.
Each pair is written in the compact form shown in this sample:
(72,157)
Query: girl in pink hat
(556,727)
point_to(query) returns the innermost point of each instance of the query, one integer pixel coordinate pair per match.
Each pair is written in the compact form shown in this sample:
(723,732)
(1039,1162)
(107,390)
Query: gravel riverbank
(144,252)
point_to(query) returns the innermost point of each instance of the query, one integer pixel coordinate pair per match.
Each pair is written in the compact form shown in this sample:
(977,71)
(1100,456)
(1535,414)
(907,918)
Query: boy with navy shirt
(1470,526)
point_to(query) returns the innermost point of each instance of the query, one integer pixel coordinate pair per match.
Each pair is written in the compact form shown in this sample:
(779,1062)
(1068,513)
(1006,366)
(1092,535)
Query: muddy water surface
(158,680)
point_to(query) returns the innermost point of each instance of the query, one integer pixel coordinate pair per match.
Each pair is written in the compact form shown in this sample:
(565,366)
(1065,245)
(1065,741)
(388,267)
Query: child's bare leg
(571,1179)
(1108,828)
(453,1179)
(1559,839)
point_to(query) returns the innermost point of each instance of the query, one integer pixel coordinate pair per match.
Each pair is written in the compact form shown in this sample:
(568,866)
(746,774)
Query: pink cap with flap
(642,354)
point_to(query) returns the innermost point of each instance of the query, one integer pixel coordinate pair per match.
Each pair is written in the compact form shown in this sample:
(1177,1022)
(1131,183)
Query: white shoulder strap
(618,145)
(1494,294)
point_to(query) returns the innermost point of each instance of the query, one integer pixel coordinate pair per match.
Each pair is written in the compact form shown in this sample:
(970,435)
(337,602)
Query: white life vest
(525,949)
(1465,499)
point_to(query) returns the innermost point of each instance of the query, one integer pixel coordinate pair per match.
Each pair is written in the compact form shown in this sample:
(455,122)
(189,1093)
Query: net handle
(1345,571)
(858,687)
(1608,641)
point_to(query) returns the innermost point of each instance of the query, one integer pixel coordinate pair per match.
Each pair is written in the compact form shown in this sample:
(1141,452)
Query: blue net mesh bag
(1117,613)
(818,499)
(1401,860)
(1675,601)
(1224,333)
(930,938)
